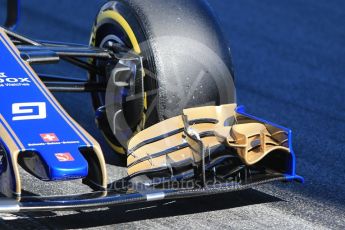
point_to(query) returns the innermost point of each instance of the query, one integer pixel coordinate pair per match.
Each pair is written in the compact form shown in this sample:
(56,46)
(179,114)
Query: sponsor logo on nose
(64,157)
(4,78)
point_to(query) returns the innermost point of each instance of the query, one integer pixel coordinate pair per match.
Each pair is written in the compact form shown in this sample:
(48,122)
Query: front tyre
(185,56)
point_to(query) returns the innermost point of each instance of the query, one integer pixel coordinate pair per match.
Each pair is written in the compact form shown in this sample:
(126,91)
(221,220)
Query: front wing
(38,134)
(123,192)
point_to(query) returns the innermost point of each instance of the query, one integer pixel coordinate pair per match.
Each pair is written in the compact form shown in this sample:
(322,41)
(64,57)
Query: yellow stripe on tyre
(110,14)
(123,23)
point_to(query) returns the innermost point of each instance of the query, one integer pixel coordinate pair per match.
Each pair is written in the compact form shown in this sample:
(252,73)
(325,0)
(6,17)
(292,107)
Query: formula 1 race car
(162,86)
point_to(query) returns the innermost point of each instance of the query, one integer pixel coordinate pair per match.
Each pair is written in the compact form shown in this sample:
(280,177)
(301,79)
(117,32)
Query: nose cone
(54,164)
(67,166)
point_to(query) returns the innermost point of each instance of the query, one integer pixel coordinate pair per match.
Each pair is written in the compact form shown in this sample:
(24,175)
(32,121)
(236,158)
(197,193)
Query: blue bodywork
(29,113)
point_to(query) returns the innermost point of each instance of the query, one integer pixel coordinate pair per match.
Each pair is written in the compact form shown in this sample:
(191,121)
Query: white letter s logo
(26,108)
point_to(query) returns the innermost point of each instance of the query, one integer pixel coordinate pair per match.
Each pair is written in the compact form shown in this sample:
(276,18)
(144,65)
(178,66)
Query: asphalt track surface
(290,66)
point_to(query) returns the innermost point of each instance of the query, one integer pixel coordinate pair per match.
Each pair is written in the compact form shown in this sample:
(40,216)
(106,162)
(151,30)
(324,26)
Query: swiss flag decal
(49,137)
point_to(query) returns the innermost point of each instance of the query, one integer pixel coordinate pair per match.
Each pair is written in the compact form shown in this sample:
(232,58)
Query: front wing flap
(210,142)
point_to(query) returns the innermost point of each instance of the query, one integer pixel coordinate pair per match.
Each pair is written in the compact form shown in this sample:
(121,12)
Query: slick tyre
(186,59)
